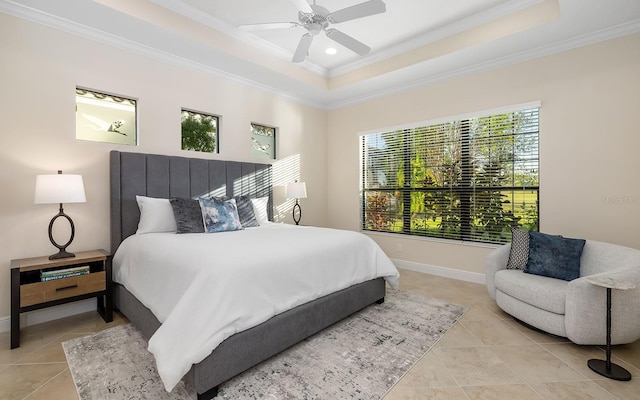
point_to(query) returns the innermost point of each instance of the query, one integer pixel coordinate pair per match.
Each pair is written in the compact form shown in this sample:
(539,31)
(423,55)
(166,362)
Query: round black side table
(606,367)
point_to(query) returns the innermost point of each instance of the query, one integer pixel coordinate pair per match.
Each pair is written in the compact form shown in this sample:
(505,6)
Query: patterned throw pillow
(519,249)
(554,256)
(245,210)
(220,216)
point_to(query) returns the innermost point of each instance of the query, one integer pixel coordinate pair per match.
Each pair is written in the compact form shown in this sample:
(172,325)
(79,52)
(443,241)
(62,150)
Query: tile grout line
(44,384)
(451,374)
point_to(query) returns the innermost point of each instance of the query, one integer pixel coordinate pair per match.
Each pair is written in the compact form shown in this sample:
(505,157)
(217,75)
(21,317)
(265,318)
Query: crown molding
(475,20)
(440,33)
(602,35)
(327,101)
(34,15)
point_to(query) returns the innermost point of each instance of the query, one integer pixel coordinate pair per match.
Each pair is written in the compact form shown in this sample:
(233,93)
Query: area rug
(360,357)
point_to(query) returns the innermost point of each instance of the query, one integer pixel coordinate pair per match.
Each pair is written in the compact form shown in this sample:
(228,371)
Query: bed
(161,176)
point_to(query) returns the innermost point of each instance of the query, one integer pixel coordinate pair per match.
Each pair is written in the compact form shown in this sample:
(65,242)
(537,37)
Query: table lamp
(296,190)
(59,188)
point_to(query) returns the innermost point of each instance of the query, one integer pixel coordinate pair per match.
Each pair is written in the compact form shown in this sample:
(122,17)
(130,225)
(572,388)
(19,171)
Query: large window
(467,179)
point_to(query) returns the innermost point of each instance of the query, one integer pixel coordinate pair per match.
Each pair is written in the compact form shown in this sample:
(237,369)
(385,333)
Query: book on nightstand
(64,273)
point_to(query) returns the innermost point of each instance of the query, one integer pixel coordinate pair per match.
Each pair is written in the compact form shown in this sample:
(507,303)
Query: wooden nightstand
(29,293)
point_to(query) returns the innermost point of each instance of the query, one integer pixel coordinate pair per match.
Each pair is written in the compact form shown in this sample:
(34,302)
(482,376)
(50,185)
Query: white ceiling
(415,42)
(404,21)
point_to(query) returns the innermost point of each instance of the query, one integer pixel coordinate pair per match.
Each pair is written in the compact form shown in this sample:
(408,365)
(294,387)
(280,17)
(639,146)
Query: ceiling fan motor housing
(316,21)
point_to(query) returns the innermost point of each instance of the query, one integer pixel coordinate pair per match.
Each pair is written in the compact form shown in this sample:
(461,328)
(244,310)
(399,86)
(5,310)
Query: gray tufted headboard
(164,176)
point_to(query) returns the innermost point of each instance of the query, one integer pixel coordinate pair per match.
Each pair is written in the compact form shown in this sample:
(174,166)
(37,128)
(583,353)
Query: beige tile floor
(485,356)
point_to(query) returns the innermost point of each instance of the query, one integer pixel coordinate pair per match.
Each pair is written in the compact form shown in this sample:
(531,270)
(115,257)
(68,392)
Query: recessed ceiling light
(330,50)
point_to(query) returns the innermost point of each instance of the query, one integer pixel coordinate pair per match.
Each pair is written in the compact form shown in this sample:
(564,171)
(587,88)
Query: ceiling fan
(316,19)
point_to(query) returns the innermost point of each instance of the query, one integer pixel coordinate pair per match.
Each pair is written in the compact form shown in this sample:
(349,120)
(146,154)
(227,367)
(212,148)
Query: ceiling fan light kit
(316,19)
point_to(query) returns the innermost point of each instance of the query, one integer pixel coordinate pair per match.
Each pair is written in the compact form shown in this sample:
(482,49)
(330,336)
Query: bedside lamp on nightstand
(297,190)
(60,188)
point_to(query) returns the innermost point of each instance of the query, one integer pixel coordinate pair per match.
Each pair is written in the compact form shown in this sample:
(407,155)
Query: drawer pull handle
(66,287)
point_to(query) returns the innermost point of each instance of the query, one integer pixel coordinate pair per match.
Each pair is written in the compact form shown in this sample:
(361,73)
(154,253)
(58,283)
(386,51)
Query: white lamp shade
(59,188)
(296,190)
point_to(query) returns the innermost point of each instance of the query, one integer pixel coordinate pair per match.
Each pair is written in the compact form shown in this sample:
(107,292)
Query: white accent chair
(575,309)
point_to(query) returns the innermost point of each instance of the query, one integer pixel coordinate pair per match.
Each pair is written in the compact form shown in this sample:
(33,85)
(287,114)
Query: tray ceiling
(415,42)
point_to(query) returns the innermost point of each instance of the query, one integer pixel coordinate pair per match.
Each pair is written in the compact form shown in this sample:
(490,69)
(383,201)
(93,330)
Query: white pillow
(156,215)
(260,209)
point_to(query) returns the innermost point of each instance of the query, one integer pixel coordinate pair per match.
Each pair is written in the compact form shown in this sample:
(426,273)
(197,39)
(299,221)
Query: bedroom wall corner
(40,69)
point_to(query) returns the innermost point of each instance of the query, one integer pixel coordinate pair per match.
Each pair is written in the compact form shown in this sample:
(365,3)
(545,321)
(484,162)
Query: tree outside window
(469,179)
(199,131)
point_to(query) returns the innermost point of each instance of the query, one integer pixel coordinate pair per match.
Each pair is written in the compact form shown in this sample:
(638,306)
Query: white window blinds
(467,179)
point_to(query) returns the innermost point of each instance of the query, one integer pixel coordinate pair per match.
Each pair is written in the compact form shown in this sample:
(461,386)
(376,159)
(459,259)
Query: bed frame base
(248,348)
(209,394)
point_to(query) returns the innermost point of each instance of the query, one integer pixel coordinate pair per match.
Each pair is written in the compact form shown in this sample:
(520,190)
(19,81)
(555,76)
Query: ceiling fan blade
(348,42)
(365,9)
(303,48)
(302,5)
(268,25)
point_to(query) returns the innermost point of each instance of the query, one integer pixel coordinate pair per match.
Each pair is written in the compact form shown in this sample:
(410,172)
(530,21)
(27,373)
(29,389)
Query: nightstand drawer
(42,292)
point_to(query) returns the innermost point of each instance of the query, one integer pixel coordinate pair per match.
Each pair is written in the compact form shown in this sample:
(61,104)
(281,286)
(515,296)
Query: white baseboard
(445,272)
(49,314)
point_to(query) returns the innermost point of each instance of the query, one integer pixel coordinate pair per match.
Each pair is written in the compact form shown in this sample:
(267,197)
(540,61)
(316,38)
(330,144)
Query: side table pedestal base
(615,372)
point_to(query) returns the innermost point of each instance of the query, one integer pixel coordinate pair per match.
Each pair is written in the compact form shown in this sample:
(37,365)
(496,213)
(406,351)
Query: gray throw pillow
(519,253)
(188,215)
(554,256)
(245,212)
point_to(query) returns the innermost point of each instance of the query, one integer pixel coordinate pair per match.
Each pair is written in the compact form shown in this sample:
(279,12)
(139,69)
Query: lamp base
(297,215)
(61,254)
(62,248)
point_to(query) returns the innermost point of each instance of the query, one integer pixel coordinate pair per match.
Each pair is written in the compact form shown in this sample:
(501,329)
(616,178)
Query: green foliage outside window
(378,206)
(465,180)
(199,132)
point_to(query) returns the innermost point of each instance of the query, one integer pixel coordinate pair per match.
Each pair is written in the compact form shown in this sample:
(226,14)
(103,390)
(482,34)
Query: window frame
(106,117)
(216,133)
(254,142)
(392,199)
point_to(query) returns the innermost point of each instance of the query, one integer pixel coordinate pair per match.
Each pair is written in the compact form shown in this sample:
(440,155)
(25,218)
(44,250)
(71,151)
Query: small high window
(199,131)
(102,117)
(263,141)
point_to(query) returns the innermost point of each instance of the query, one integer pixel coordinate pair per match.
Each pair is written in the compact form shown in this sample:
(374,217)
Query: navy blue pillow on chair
(554,256)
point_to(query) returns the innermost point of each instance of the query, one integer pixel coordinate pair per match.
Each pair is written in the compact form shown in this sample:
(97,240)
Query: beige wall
(589,141)
(40,68)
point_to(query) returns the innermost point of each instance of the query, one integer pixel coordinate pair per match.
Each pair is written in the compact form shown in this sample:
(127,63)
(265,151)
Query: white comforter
(204,288)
